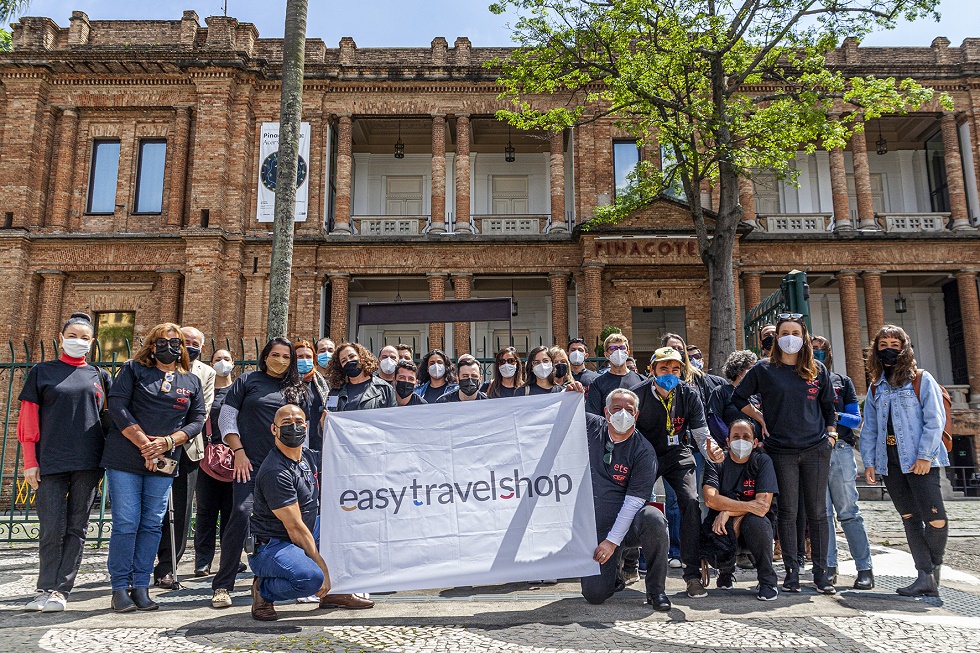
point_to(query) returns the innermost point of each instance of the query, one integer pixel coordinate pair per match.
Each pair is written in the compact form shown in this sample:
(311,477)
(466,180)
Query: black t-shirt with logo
(741,481)
(70,398)
(281,482)
(602,385)
(257,396)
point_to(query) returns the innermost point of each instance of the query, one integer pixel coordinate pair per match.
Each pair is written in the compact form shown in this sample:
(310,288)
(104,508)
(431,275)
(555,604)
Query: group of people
(767,451)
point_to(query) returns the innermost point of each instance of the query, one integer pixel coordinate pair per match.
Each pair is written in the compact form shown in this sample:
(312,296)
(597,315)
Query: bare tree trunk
(290,117)
(721,279)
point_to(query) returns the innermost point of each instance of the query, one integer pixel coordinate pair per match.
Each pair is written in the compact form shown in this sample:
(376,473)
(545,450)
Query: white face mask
(507,370)
(223,368)
(790,344)
(543,370)
(618,357)
(576,357)
(388,365)
(622,421)
(76,347)
(741,448)
(437,370)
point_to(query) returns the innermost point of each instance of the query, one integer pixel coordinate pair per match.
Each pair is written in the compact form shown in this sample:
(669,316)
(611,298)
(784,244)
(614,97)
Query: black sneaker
(726,581)
(768,592)
(792,581)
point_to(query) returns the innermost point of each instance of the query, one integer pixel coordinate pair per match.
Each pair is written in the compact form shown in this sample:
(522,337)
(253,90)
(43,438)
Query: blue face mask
(667,381)
(304,365)
(819,354)
(323,359)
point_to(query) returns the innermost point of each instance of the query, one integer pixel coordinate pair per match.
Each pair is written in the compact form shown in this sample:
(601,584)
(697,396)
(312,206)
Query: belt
(890,439)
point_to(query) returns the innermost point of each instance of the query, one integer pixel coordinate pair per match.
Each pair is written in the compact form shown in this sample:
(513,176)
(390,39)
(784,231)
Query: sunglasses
(790,316)
(508,361)
(694,357)
(610,447)
(168,382)
(173,342)
(617,348)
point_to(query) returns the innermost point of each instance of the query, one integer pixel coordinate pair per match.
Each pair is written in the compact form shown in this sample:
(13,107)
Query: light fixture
(881,143)
(398,292)
(399,146)
(509,154)
(901,306)
(513,302)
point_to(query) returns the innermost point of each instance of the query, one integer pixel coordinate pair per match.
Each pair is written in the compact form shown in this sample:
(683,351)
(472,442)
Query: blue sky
(375,23)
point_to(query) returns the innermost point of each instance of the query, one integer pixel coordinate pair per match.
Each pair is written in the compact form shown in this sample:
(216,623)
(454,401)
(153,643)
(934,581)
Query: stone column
(342,224)
(463,175)
(838,186)
(438,202)
(462,289)
(168,295)
(751,282)
(853,350)
(61,203)
(873,309)
(966,283)
(178,173)
(437,291)
(746,197)
(559,307)
(862,181)
(556,166)
(339,283)
(955,187)
(593,302)
(49,313)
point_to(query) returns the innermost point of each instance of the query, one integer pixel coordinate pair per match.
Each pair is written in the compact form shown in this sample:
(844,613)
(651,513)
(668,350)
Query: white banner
(468,493)
(268,154)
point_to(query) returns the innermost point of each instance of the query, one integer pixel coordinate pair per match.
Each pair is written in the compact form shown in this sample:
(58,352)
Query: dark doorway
(954,327)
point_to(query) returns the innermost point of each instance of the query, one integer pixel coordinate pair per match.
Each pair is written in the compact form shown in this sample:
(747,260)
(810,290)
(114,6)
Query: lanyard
(668,406)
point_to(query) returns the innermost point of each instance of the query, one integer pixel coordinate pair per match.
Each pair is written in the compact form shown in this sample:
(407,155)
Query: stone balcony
(818,223)
(479,225)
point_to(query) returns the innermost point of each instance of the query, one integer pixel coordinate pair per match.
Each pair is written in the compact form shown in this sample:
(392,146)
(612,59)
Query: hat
(666,354)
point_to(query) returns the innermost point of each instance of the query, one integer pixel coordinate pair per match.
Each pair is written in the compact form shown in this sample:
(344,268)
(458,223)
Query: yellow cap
(666,354)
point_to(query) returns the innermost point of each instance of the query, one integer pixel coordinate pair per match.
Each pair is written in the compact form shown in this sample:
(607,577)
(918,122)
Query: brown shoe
(777,552)
(349,601)
(262,610)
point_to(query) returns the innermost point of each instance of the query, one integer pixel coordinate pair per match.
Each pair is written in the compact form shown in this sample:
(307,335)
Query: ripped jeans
(919,501)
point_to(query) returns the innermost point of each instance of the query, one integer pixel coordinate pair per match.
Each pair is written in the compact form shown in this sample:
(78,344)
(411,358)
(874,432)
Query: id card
(673,439)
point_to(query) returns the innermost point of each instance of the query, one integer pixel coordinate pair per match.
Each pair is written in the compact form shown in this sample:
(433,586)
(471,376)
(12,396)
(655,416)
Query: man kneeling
(738,493)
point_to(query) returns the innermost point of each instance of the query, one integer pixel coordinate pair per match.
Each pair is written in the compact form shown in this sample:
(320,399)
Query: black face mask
(352,369)
(767,342)
(561,369)
(404,389)
(292,435)
(193,353)
(889,356)
(469,387)
(166,354)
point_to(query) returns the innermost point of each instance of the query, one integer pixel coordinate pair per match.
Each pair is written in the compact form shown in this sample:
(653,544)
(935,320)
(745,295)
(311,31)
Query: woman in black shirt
(156,405)
(541,379)
(798,423)
(353,368)
(508,375)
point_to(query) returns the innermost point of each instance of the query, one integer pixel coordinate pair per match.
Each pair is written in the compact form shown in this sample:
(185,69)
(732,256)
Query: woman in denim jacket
(902,440)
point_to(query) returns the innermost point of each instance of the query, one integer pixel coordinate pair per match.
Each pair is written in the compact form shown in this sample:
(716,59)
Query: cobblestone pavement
(521,617)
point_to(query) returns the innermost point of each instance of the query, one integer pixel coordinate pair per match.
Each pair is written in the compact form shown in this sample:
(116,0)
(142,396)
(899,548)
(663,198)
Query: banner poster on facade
(467,493)
(268,154)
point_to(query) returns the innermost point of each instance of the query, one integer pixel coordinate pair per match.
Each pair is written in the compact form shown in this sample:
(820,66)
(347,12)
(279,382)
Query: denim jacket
(918,424)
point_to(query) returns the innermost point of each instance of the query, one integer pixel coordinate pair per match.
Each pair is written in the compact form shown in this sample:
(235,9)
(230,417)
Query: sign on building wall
(268,166)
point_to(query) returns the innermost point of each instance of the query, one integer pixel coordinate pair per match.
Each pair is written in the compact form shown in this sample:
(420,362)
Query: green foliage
(4,41)
(605,333)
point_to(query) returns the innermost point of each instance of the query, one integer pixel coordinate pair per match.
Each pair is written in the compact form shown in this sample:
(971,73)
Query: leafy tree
(677,73)
(9,9)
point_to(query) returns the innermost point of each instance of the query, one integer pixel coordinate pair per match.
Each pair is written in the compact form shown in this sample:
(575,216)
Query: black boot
(824,585)
(924,585)
(832,575)
(792,581)
(865,580)
(935,574)
(121,601)
(141,597)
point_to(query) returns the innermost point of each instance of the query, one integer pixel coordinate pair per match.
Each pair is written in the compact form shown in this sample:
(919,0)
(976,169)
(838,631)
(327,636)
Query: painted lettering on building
(663,248)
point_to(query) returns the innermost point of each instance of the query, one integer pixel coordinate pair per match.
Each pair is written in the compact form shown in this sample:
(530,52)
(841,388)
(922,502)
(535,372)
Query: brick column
(954,173)
(751,282)
(339,283)
(437,291)
(344,167)
(559,307)
(168,296)
(873,308)
(862,181)
(853,351)
(255,306)
(838,186)
(556,166)
(746,197)
(61,202)
(462,289)
(463,175)
(966,283)
(178,173)
(49,313)
(438,202)
(593,302)
(304,322)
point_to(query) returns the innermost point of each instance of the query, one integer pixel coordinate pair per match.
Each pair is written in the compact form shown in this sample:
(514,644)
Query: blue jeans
(138,505)
(842,498)
(284,571)
(673,521)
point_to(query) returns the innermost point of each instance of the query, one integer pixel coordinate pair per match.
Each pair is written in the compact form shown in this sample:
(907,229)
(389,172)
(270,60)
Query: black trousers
(648,530)
(183,489)
(63,503)
(756,537)
(679,470)
(921,499)
(234,532)
(214,500)
(803,472)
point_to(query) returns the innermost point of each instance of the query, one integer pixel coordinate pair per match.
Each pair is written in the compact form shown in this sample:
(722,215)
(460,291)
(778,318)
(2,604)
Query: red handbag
(218,461)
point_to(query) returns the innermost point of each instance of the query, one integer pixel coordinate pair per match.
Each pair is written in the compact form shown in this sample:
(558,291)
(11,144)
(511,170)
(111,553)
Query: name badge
(673,439)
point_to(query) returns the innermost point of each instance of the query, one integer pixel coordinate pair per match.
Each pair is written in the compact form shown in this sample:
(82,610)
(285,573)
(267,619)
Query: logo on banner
(270,169)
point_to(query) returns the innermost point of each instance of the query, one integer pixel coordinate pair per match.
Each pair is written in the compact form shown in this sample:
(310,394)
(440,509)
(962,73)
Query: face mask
(277,366)
(790,344)
(507,370)
(469,387)
(222,368)
(404,389)
(292,435)
(767,342)
(576,357)
(404,360)
(388,365)
(352,369)
(668,381)
(193,353)
(698,363)
(820,355)
(304,365)
(889,356)
(622,421)
(166,354)
(543,370)
(618,357)
(76,347)
(561,369)
(437,370)
(323,359)
(741,448)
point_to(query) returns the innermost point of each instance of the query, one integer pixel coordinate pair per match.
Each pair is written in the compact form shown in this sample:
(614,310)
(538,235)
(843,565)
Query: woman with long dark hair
(437,376)
(352,370)
(799,431)
(902,440)
(508,375)
(541,380)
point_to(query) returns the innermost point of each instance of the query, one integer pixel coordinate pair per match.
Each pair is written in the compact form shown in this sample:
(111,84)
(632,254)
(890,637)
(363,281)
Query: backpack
(947,407)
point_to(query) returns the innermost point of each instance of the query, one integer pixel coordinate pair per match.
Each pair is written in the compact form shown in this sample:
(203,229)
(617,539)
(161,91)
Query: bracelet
(172,441)
(238,449)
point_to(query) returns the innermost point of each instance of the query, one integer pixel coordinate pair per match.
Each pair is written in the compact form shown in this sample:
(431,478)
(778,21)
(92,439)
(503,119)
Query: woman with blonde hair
(563,371)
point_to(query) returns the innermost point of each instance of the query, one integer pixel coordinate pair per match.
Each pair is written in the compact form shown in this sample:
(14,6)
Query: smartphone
(166,465)
(332,402)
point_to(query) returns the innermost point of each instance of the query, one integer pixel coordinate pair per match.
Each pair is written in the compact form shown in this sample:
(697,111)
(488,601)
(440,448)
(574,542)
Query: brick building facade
(130,167)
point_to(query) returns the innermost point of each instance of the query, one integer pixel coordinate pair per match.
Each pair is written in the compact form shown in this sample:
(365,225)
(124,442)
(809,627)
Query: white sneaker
(37,604)
(674,563)
(221,598)
(56,603)
(308,599)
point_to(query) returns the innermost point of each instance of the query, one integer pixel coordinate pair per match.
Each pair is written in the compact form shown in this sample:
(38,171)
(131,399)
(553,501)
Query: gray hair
(622,391)
(738,362)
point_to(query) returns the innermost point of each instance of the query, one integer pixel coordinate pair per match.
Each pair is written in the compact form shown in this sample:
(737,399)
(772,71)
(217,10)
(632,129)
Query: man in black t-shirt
(617,351)
(578,351)
(739,494)
(469,379)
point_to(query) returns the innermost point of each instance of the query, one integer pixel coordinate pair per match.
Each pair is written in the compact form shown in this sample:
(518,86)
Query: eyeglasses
(790,316)
(617,348)
(168,382)
(173,342)
(694,357)
(508,361)
(610,447)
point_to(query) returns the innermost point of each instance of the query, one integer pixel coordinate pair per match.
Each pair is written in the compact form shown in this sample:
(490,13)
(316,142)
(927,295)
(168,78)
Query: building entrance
(649,324)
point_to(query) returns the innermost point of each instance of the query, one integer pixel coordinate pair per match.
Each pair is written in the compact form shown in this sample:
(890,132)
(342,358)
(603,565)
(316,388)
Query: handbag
(218,461)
